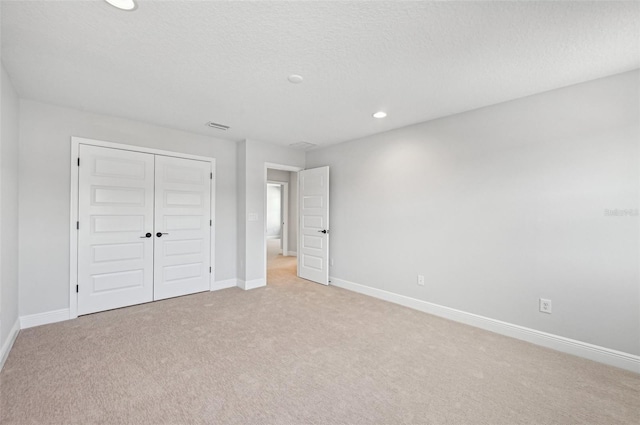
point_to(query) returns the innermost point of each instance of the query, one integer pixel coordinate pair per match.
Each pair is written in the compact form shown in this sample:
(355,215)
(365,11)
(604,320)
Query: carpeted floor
(297,353)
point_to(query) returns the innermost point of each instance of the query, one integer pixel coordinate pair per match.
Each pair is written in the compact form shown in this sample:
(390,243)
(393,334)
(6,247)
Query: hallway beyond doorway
(277,265)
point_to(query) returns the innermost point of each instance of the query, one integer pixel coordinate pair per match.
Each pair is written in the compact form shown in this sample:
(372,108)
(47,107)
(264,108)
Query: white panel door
(182,231)
(115,243)
(314,225)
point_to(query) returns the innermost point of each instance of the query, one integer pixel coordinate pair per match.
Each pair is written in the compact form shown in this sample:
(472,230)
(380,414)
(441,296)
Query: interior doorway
(281,222)
(278,215)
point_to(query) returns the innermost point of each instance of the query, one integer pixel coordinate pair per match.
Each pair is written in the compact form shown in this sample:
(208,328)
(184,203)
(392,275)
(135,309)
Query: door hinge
(210,223)
(78,161)
(78,225)
(211,176)
(209,269)
(77,288)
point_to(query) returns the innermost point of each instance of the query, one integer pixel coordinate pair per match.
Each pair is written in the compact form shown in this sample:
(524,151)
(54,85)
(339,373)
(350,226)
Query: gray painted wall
(500,206)
(256,154)
(293,212)
(278,175)
(45,164)
(241,218)
(9,208)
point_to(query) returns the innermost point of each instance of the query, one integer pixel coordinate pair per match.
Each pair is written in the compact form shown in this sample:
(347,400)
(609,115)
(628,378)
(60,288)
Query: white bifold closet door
(182,241)
(143,230)
(115,258)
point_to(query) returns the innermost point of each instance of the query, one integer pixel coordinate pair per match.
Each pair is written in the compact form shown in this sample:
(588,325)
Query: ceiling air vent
(302,145)
(217,126)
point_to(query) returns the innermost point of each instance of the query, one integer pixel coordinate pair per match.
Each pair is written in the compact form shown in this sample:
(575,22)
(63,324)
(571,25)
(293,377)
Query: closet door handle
(159,234)
(148,235)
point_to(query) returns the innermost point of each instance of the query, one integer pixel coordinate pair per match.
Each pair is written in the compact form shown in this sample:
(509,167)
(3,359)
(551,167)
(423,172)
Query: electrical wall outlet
(420,280)
(331,262)
(545,306)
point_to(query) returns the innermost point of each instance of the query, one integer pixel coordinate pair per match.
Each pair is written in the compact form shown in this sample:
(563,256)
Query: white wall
(45,164)
(241,210)
(9,209)
(256,155)
(500,206)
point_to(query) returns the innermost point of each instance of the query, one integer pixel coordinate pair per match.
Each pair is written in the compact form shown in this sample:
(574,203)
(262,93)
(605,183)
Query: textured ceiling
(183,63)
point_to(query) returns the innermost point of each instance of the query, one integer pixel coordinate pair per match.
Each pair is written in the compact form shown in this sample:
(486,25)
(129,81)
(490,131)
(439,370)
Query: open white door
(182,239)
(313,252)
(115,211)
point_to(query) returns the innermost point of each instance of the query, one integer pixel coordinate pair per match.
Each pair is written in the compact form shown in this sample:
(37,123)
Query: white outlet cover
(420,280)
(545,306)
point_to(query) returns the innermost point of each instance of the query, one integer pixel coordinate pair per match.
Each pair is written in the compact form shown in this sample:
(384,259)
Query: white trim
(44,318)
(73,233)
(212,227)
(566,345)
(224,284)
(251,284)
(135,148)
(282,167)
(285,218)
(8,344)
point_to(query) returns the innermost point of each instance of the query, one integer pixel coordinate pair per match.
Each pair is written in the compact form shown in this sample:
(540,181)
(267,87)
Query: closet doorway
(143,225)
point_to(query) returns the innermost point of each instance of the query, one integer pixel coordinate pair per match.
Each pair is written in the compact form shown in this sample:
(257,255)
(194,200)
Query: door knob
(159,234)
(323,231)
(148,235)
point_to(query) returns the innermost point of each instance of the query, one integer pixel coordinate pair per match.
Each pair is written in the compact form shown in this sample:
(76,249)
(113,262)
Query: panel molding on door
(313,249)
(182,211)
(113,228)
(115,208)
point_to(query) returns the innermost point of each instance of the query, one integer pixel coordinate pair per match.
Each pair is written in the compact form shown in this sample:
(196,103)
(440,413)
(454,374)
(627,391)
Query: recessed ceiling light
(380,114)
(295,78)
(123,4)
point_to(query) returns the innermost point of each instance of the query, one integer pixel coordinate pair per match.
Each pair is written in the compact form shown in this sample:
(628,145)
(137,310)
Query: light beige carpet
(273,249)
(298,353)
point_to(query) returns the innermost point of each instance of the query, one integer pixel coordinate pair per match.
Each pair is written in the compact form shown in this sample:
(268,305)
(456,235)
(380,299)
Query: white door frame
(282,167)
(73,233)
(284,214)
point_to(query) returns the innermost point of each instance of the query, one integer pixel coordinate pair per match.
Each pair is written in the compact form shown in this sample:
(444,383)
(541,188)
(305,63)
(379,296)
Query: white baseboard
(8,344)
(251,284)
(224,284)
(292,253)
(566,345)
(44,318)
